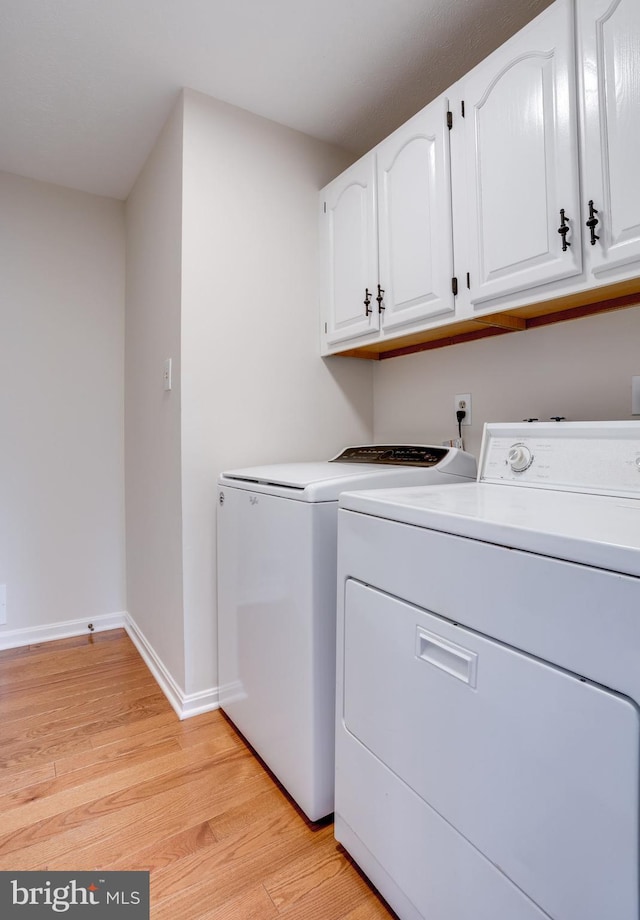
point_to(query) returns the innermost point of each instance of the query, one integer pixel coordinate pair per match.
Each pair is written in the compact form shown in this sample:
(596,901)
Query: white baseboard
(34,635)
(184,704)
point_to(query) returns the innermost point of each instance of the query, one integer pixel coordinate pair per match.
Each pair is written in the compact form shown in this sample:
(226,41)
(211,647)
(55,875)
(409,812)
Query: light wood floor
(97,772)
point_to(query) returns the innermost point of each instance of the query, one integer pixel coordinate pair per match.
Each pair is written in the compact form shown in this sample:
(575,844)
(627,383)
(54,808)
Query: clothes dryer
(488,687)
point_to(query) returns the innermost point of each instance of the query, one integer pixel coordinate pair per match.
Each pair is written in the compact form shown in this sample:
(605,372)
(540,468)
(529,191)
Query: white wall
(254,389)
(221,276)
(61,404)
(580,369)
(152,432)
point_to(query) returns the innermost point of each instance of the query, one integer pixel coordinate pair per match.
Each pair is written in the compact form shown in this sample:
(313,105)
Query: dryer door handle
(447,656)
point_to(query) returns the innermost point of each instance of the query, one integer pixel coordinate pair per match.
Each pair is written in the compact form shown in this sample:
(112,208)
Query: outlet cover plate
(635,396)
(463,400)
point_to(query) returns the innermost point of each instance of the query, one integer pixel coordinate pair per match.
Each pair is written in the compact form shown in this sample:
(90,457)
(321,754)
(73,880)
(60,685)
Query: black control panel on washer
(404,454)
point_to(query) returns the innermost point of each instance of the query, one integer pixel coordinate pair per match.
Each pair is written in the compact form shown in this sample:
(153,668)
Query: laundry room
(162,323)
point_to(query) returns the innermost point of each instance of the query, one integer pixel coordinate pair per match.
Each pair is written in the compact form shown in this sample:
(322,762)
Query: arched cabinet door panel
(520,136)
(349,240)
(414,219)
(609,44)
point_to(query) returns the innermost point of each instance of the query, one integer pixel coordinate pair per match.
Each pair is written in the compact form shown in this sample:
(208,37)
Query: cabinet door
(350,252)
(609,36)
(522,160)
(414,219)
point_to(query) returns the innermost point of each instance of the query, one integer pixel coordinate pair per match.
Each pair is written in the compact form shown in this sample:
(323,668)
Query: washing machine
(488,682)
(277,599)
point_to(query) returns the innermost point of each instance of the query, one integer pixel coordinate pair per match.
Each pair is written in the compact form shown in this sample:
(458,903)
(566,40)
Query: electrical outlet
(3,604)
(463,401)
(635,396)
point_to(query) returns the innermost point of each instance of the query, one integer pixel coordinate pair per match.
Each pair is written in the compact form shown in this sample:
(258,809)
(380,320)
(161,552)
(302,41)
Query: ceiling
(86,85)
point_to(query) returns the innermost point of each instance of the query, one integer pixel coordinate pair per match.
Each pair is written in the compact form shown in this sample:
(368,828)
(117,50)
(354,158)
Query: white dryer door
(533,766)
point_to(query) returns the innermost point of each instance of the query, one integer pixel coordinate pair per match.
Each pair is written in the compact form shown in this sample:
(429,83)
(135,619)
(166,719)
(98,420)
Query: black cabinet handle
(367,301)
(592,223)
(563,229)
(380,298)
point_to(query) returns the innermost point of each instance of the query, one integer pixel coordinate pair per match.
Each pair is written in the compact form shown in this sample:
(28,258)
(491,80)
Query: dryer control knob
(519,458)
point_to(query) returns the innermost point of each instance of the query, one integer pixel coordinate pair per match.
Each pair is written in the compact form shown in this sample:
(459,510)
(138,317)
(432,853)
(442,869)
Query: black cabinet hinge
(454,286)
(449,120)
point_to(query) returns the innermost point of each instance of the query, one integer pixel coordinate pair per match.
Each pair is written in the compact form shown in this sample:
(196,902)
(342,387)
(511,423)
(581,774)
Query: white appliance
(488,682)
(277,600)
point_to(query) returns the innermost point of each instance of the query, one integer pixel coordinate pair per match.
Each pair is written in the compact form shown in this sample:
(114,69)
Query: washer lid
(325,480)
(597,530)
(298,475)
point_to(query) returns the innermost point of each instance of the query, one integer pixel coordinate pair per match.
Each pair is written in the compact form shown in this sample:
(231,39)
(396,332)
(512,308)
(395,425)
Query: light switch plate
(166,376)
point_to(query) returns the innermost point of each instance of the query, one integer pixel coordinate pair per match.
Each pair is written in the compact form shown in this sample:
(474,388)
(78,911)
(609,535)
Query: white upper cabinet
(386,235)
(609,44)
(414,220)
(349,240)
(526,199)
(520,147)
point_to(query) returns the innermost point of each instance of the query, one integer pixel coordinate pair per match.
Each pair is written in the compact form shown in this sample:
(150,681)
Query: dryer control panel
(595,457)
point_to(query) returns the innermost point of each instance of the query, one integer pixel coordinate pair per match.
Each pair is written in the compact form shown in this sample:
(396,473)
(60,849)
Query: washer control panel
(599,457)
(396,454)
